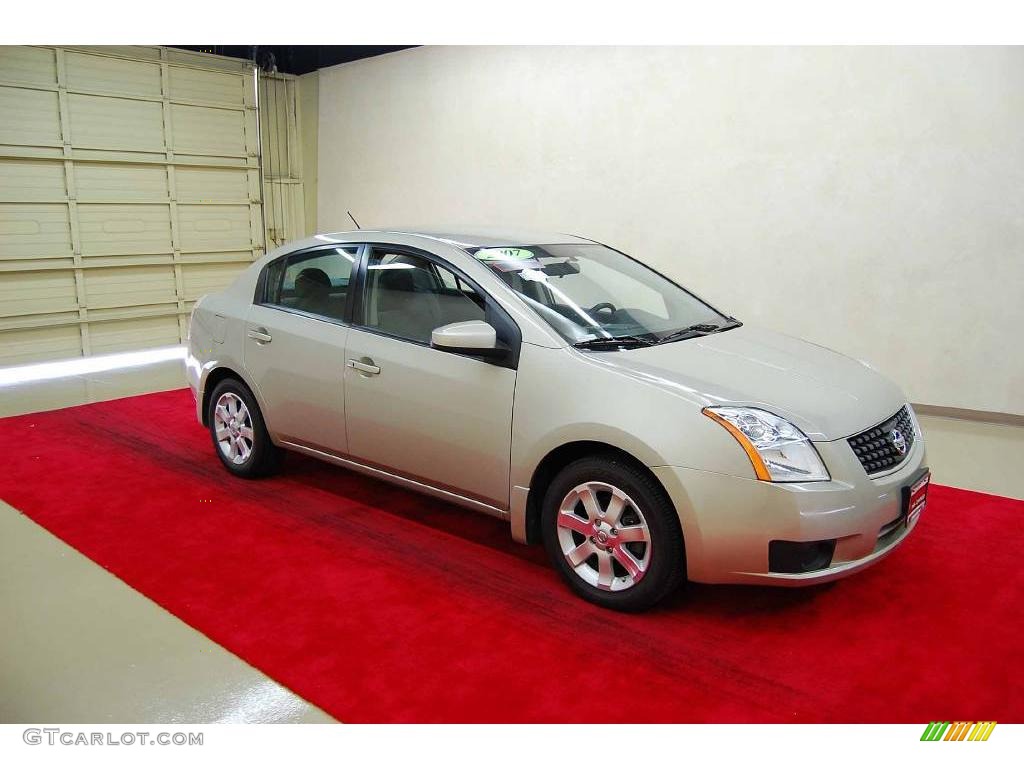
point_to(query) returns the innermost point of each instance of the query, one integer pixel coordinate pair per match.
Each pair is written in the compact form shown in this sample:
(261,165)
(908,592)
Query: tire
(244,446)
(611,570)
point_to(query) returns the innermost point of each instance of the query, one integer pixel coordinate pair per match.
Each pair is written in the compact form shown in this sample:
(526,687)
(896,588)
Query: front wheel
(612,534)
(239,435)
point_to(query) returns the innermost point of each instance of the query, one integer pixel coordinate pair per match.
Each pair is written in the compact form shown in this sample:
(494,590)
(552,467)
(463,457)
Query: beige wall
(869,199)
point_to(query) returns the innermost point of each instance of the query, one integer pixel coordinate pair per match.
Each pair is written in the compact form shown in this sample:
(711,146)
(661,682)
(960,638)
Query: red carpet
(381,605)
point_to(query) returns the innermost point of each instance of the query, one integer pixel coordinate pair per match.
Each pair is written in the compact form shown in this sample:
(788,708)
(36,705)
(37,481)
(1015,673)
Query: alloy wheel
(603,536)
(233,427)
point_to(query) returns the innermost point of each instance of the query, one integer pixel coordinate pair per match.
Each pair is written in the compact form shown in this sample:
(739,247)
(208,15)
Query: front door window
(409,296)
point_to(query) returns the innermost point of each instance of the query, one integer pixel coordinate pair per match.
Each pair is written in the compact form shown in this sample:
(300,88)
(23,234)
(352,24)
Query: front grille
(876,447)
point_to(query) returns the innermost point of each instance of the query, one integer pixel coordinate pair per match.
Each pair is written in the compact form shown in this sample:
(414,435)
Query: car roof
(472,238)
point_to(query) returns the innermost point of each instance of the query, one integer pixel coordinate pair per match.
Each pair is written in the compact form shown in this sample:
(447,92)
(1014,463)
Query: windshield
(589,291)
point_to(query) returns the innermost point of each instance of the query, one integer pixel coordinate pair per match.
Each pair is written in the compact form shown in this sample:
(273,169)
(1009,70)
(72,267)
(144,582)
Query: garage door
(129,187)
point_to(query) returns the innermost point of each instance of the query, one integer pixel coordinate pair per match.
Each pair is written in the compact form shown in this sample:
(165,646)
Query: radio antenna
(353,219)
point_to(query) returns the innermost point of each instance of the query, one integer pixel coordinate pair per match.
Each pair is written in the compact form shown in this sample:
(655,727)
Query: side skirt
(413,485)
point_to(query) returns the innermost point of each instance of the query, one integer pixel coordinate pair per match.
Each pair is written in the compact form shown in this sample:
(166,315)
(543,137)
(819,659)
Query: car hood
(826,394)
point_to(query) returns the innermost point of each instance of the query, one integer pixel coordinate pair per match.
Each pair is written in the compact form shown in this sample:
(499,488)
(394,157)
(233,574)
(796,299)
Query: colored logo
(899,442)
(959,731)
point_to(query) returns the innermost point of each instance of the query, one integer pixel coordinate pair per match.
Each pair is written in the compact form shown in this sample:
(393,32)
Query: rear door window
(314,282)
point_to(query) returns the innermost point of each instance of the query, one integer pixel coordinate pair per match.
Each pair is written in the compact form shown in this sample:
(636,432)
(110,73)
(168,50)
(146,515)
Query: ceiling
(297,59)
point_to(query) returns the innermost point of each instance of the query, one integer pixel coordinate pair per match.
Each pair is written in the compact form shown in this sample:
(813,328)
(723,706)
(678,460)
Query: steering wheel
(604,305)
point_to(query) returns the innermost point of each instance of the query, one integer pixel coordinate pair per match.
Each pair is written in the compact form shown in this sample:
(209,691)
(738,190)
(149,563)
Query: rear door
(296,333)
(427,414)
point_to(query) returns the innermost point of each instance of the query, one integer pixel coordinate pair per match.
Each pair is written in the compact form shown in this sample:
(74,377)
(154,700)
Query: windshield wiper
(610,342)
(697,329)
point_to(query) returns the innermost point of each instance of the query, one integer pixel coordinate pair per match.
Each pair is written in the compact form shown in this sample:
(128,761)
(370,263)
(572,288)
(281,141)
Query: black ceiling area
(296,59)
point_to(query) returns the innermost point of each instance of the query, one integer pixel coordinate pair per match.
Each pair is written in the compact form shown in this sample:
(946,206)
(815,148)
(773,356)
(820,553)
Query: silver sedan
(644,436)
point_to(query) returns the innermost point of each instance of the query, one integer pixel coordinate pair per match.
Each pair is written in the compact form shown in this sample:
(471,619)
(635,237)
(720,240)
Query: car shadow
(723,600)
(737,600)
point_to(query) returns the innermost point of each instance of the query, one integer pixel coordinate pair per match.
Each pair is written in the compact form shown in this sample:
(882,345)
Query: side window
(314,281)
(409,296)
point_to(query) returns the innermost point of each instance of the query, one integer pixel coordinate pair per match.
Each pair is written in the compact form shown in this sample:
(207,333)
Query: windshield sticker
(504,254)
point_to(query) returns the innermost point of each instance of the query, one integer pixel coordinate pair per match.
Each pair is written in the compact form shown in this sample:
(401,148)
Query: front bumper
(728,522)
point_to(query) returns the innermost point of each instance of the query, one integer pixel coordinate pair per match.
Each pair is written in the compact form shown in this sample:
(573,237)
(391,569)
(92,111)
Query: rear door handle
(260,335)
(364,366)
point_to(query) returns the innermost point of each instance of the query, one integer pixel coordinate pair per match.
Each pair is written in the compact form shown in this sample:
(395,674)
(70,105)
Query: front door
(295,346)
(434,416)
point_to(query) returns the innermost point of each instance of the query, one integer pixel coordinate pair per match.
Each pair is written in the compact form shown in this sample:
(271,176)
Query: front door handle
(364,366)
(260,335)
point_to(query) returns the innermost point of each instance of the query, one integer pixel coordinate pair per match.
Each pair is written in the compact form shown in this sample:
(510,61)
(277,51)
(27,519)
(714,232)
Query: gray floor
(52,394)
(79,645)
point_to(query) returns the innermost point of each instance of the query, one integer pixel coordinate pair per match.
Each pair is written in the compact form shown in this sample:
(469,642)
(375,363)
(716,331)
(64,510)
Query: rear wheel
(612,533)
(239,434)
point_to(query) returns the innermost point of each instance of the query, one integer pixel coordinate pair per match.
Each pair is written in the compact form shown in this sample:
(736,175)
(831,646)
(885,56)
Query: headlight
(779,451)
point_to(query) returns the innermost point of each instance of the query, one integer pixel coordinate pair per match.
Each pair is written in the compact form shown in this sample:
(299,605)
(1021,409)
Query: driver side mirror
(470,337)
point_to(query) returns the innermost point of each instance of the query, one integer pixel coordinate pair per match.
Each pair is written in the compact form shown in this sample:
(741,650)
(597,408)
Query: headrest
(400,279)
(312,279)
